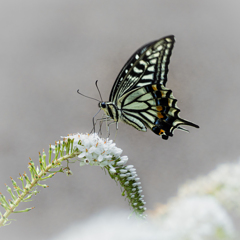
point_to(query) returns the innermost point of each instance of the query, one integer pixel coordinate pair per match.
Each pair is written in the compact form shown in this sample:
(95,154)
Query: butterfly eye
(103,104)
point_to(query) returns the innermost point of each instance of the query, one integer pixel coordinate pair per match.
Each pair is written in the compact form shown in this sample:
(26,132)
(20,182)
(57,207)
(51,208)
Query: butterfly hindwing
(153,106)
(148,65)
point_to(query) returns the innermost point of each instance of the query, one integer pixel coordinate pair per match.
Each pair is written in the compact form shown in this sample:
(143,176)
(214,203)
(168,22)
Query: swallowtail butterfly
(139,96)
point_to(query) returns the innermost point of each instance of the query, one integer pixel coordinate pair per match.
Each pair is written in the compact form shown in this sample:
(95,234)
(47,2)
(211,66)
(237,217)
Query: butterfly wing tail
(187,123)
(166,127)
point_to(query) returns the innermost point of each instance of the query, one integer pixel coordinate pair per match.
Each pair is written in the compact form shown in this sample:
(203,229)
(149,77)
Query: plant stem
(33,184)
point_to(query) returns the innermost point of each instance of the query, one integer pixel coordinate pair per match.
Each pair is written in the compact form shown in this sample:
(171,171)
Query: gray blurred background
(51,48)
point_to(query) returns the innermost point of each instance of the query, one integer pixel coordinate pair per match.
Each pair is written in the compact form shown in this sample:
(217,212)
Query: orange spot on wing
(154,87)
(159,108)
(161,132)
(159,115)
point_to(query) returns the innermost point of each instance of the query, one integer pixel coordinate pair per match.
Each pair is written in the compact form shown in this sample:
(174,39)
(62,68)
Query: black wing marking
(148,65)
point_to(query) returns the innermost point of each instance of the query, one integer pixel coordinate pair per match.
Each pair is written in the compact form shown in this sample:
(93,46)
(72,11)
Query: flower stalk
(88,150)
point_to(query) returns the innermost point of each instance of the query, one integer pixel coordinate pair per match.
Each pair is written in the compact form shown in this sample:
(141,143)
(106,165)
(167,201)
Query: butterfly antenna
(87,96)
(98,90)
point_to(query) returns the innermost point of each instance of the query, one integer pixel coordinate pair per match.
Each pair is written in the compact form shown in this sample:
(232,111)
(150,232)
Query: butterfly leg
(94,121)
(101,120)
(108,127)
(116,131)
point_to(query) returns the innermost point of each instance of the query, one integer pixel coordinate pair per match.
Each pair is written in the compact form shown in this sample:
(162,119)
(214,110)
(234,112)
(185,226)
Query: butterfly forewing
(148,65)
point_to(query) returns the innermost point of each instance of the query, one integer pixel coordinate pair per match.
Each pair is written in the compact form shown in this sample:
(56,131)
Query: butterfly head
(102,105)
